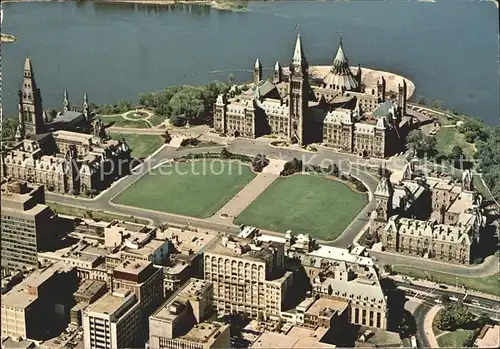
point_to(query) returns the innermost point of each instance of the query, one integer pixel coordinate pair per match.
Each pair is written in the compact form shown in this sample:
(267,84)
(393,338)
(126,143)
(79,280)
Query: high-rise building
(26,224)
(114,321)
(180,322)
(31,308)
(143,279)
(248,276)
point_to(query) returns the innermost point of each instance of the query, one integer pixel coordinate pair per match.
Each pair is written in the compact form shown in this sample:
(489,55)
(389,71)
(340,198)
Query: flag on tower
(297,26)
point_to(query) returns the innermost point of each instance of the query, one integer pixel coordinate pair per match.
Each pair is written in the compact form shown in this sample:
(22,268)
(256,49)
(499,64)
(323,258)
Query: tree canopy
(9,126)
(421,144)
(195,103)
(489,160)
(453,316)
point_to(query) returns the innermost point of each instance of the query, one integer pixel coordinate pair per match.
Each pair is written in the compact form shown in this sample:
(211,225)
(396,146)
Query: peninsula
(6,38)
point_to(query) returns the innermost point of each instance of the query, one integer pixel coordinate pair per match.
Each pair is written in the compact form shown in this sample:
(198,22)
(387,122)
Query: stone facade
(67,162)
(248,276)
(337,111)
(49,152)
(450,232)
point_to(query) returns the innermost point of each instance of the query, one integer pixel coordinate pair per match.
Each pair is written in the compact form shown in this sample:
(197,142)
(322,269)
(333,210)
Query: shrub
(190,142)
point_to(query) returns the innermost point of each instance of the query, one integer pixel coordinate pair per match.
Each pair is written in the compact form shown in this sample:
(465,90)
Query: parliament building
(67,151)
(337,111)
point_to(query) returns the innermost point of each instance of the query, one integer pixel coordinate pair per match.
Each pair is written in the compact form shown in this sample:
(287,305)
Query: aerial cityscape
(328,192)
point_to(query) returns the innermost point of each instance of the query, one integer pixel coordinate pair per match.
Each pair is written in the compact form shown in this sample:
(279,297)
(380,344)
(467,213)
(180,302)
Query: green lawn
(455,339)
(131,115)
(305,204)
(92,214)
(490,284)
(448,137)
(197,189)
(156,119)
(119,121)
(141,145)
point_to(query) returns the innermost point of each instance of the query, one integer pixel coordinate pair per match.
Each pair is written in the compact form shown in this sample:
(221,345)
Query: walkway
(428,320)
(249,193)
(252,148)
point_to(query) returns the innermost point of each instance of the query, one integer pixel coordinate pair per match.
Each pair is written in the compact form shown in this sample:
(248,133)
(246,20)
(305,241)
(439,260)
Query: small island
(8,38)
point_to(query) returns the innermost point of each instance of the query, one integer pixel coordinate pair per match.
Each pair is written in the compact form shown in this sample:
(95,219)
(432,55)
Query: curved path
(346,163)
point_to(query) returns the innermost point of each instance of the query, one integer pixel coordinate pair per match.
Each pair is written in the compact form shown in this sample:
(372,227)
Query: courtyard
(315,205)
(196,189)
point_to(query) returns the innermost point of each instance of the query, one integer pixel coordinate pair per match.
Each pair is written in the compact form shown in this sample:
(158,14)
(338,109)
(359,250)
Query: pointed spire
(340,58)
(18,136)
(298,54)
(66,101)
(27,65)
(85,98)
(258,65)
(277,66)
(384,187)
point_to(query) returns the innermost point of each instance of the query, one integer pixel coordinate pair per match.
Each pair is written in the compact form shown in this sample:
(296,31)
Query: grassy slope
(490,284)
(448,137)
(455,339)
(100,215)
(141,145)
(188,189)
(305,204)
(119,121)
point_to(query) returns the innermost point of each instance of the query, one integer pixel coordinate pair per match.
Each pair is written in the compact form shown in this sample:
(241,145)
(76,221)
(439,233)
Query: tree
(421,144)
(456,156)
(387,268)
(225,154)
(9,127)
(167,137)
(454,315)
(52,113)
(188,102)
(421,100)
(259,162)
(436,104)
(231,77)
(488,157)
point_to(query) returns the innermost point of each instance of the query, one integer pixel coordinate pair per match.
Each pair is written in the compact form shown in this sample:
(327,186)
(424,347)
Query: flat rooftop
(204,332)
(190,289)
(188,242)
(89,288)
(133,267)
(242,248)
(327,304)
(110,302)
(72,136)
(490,338)
(18,297)
(295,338)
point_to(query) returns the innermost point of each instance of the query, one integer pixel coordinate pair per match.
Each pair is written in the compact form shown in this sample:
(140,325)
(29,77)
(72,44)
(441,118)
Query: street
(253,147)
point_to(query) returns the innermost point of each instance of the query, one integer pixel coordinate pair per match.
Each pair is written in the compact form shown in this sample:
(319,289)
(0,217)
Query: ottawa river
(115,51)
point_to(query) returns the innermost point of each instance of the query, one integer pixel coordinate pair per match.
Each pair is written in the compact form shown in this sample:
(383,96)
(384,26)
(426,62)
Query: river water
(115,51)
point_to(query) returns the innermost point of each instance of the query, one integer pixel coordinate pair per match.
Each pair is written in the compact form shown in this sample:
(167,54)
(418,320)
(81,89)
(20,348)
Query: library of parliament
(337,111)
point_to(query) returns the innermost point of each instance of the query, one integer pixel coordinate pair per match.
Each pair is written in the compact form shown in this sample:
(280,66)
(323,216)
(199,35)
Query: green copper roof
(383,109)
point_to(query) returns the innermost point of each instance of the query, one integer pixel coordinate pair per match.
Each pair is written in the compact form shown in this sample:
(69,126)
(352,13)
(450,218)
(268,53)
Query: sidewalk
(428,320)
(430,284)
